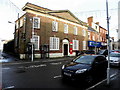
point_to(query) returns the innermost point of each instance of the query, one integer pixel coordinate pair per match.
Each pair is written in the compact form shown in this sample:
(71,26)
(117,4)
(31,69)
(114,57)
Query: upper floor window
(54,43)
(55,26)
(101,38)
(89,35)
(75,30)
(84,32)
(36,22)
(93,37)
(65,28)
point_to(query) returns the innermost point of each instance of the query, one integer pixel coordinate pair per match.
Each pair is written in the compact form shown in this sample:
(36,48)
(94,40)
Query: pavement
(114,83)
(9,59)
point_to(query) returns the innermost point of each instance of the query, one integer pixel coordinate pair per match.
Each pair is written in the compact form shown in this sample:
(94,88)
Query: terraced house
(55,33)
(96,35)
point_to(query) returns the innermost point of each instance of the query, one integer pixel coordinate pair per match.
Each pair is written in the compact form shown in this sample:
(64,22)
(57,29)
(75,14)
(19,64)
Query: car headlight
(63,66)
(81,71)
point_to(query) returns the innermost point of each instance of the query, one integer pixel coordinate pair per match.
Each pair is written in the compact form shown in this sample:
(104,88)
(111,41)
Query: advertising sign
(93,44)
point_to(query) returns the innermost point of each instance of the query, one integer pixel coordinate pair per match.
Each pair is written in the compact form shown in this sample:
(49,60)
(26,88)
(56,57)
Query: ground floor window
(54,43)
(75,45)
(84,45)
(36,42)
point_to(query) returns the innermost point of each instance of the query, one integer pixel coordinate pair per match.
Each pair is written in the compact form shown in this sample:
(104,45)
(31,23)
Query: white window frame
(65,28)
(38,41)
(84,32)
(75,44)
(38,26)
(84,45)
(54,26)
(75,30)
(54,43)
(93,37)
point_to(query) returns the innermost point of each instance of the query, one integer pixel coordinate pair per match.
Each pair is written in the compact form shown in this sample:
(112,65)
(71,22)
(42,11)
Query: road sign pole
(32,58)
(108,69)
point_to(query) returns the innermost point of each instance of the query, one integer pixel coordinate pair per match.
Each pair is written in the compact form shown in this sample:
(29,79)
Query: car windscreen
(101,51)
(115,55)
(85,59)
(89,52)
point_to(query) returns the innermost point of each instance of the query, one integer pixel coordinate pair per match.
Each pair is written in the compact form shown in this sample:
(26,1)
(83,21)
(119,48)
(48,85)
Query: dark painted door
(65,49)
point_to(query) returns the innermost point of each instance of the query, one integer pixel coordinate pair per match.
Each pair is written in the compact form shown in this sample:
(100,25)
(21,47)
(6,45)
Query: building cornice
(49,12)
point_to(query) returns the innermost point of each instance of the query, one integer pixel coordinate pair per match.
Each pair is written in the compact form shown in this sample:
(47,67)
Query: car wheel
(89,79)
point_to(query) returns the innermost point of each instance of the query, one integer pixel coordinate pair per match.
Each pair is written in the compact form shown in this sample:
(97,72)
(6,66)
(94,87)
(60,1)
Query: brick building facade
(56,33)
(96,35)
(60,30)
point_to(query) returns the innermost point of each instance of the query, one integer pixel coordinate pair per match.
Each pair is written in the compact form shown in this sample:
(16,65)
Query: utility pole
(18,39)
(108,69)
(32,40)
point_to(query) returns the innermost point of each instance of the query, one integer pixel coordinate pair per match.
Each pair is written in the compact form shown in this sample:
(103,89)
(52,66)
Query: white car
(114,59)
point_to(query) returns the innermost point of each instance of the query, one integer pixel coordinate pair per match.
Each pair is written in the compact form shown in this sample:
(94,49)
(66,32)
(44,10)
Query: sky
(80,8)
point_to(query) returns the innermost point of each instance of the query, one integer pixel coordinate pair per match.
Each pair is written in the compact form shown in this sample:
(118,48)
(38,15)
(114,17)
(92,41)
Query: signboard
(94,44)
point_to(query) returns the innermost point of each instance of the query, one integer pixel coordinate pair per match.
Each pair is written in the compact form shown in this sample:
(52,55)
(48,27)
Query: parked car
(85,68)
(89,52)
(78,53)
(117,51)
(114,59)
(103,52)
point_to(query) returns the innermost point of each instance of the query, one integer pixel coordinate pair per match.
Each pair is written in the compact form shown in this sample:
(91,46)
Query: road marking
(111,76)
(5,68)
(33,66)
(59,76)
(56,63)
(8,87)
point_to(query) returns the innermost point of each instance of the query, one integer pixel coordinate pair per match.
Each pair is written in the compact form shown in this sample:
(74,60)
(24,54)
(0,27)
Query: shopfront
(93,45)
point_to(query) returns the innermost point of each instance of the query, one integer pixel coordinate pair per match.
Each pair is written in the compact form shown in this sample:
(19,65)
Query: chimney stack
(97,23)
(90,20)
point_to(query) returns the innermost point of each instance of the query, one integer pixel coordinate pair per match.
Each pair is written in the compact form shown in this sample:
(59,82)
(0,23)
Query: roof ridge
(28,4)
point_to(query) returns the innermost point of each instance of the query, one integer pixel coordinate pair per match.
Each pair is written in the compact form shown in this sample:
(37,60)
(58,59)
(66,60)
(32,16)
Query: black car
(85,68)
(89,52)
(103,52)
(78,53)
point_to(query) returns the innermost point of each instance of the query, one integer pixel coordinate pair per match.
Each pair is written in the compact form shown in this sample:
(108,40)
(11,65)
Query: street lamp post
(32,41)
(108,69)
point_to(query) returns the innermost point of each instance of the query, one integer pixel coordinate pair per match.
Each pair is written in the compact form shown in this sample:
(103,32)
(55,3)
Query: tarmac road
(45,74)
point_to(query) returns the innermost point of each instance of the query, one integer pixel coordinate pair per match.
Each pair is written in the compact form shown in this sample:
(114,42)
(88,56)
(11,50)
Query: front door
(65,49)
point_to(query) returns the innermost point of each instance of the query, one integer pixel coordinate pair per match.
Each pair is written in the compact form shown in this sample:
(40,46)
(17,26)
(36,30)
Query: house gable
(35,7)
(63,14)
(66,14)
